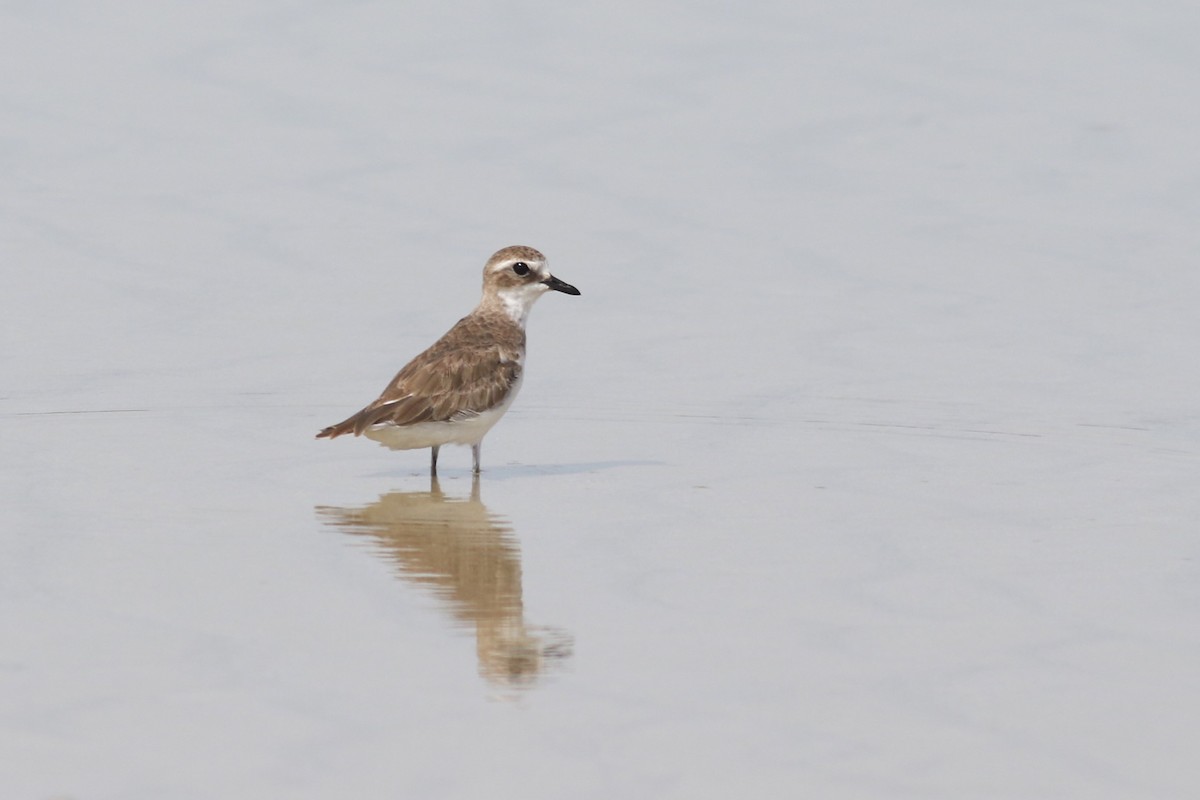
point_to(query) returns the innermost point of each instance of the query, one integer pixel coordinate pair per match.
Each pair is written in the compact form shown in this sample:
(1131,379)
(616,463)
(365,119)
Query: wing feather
(469,370)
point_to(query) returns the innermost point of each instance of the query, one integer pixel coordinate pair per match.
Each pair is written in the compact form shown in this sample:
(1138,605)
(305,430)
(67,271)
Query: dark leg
(475,454)
(433,461)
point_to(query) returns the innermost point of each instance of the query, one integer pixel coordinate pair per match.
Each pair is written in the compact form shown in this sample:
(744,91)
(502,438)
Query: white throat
(516,302)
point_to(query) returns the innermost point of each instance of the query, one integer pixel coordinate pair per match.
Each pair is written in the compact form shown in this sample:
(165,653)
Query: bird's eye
(521,268)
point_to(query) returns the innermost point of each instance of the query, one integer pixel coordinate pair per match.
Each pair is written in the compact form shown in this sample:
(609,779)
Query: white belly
(469,430)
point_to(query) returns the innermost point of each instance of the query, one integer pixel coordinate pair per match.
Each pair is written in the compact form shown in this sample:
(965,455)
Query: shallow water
(865,465)
(471,561)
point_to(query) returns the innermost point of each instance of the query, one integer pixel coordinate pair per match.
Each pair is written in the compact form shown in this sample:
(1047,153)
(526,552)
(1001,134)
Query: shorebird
(454,392)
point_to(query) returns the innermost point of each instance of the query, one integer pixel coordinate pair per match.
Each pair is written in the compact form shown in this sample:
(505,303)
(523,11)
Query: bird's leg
(433,461)
(475,455)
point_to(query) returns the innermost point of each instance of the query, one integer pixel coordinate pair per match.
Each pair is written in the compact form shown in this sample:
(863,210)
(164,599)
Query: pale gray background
(866,466)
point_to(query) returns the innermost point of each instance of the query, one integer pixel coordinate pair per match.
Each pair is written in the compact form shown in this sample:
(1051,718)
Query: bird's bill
(560,286)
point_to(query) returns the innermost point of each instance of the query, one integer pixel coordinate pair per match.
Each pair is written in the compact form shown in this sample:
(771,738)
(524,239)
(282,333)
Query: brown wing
(469,370)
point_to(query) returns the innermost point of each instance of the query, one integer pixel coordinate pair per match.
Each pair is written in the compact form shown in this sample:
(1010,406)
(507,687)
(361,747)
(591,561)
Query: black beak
(559,286)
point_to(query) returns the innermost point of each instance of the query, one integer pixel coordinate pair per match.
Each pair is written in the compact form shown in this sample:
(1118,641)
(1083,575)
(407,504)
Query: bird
(457,389)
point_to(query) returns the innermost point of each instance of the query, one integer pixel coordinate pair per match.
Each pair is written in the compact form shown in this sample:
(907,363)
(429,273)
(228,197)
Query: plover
(454,392)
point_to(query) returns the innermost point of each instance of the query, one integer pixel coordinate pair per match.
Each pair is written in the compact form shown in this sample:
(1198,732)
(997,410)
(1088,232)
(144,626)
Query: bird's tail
(334,431)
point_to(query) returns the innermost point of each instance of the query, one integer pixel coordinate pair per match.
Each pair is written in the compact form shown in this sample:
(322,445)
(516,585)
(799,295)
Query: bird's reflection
(470,558)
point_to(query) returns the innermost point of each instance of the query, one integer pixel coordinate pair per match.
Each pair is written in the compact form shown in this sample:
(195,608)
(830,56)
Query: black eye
(521,268)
